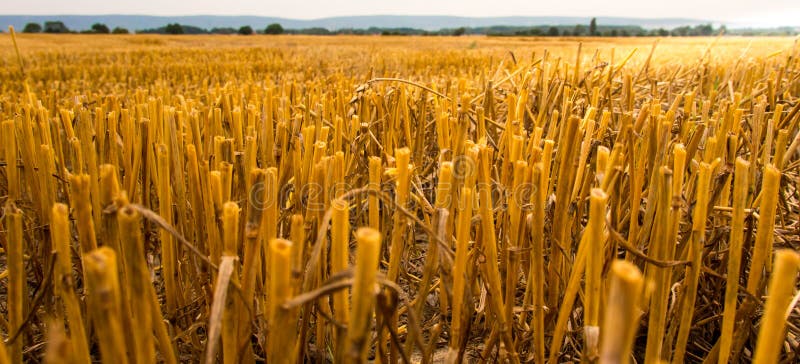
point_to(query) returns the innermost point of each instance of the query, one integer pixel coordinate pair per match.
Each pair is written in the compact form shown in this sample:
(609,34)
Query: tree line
(57,27)
(578,30)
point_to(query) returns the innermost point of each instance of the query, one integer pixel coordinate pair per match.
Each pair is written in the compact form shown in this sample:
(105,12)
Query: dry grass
(292,198)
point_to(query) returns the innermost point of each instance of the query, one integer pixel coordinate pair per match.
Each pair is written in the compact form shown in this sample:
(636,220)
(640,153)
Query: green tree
(223,31)
(274,28)
(246,30)
(579,30)
(173,29)
(32,28)
(315,31)
(553,32)
(705,29)
(189,29)
(593,27)
(681,31)
(55,27)
(120,30)
(459,31)
(100,28)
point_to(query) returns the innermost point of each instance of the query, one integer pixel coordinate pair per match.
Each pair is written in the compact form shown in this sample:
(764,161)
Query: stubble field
(391,199)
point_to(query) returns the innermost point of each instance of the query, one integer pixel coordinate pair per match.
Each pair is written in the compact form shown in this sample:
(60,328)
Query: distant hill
(426,22)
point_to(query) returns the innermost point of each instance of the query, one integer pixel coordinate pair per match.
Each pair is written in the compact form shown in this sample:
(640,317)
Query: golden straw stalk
(460,279)
(762,250)
(64,284)
(169,250)
(58,345)
(397,248)
(622,313)
(80,198)
(375,185)
(230,330)
(736,241)
(104,304)
(252,259)
(658,244)
(594,269)
(368,250)
(537,259)
(146,316)
(397,243)
(772,332)
(340,249)
(696,244)
(16,302)
(10,154)
(282,333)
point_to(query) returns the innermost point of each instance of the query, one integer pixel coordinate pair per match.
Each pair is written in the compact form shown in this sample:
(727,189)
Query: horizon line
(367,15)
(741,24)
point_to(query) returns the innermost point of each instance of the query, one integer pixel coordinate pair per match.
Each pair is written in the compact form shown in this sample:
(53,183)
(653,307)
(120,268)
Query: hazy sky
(754,12)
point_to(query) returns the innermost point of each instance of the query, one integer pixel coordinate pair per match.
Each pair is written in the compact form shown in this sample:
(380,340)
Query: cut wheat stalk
(622,313)
(340,249)
(659,242)
(773,323)
(736,241)
(594,271)
(16,297)
(282,333)
(462,303)
(230,317)
(104,303)
(696,246)
(65,286)
(368,249)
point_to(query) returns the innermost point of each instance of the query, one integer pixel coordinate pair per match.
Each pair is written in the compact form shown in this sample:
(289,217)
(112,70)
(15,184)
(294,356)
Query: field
(399,199)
